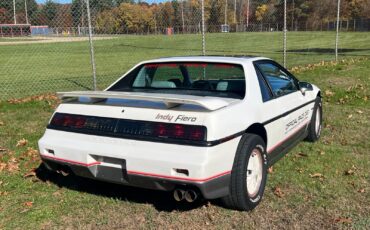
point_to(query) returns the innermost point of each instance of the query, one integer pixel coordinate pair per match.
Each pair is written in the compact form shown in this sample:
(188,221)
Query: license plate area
(111,169)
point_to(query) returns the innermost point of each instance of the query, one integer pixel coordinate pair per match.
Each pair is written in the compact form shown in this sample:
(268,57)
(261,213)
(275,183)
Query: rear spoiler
(170,100)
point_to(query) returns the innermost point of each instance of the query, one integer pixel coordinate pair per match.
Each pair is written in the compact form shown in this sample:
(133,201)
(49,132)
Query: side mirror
(305,86)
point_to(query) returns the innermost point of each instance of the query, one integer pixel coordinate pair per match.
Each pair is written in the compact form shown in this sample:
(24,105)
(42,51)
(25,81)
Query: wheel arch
(319,94)
(258,129)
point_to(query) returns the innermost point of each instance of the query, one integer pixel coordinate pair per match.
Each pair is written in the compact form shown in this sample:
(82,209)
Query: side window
(265,91)
(280,81)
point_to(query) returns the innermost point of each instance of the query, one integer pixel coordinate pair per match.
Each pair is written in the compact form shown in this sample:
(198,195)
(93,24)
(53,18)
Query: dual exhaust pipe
(64,171)
(189,195)
(178,194)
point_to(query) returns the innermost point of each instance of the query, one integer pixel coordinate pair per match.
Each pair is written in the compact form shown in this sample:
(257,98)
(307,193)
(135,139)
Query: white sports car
(205,125)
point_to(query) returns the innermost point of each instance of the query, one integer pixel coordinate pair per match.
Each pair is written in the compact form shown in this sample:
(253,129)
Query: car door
(287,114)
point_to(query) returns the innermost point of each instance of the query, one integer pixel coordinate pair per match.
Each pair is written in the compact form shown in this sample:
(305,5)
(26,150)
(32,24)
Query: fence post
(248,13)
(92,56)
(203,32)
(285,34)
(14,13)
(337,35)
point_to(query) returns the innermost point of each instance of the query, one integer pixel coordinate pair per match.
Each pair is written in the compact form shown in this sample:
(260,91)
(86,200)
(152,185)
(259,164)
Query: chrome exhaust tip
(64,171)
(178,194)
(191,195)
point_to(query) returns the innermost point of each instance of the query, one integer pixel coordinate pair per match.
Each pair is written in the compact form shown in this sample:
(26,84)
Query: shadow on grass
(161,200)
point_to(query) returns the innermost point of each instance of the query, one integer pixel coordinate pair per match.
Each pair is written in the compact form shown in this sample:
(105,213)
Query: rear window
(190,78)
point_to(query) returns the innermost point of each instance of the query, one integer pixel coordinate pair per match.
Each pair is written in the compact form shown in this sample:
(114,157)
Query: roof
(227,59)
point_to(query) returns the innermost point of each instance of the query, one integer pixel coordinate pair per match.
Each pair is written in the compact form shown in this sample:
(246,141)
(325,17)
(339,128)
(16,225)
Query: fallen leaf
(359,112)
(278,192)
(2,149)
(302,154)
(343,220)
(350,171)
(31,173)
(22,142)
(1,123)
(316,175)
(57,193)
(24,210)
(2,166)
(12,165)
(322,152)
(328,93)
(362,190)
(42,97)
(3,193)
(31,152)
(28,204)
(270,170)
(300,170)
(350,116)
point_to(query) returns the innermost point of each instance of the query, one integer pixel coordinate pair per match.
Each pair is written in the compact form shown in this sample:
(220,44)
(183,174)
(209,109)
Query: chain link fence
(57,45)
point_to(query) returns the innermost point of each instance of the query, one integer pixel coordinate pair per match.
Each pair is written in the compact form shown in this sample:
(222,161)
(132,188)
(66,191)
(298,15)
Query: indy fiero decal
(179,118)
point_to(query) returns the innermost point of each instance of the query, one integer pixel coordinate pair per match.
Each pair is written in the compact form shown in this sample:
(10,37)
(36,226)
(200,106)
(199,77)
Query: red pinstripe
(140,173)
(281,142)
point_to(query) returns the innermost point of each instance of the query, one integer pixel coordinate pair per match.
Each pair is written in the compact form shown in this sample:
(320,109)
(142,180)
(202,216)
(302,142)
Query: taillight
(126,128)
(179,131)
(72,121)
(161,130)
(197,133)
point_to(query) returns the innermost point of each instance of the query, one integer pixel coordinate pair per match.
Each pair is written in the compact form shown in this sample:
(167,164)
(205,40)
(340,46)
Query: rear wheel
(249,174)
(315,126)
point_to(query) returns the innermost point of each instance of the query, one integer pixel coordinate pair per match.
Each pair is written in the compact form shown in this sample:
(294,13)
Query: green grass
(30,69)
(307,202)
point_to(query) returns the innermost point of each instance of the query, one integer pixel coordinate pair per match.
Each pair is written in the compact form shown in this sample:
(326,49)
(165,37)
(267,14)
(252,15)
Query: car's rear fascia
(141,163)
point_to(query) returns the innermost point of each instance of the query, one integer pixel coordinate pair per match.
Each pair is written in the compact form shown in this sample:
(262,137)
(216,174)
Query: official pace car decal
(179,118)
(296,121)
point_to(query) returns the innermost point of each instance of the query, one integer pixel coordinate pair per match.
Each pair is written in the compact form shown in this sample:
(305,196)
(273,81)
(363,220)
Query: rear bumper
(139,163)
(210,188)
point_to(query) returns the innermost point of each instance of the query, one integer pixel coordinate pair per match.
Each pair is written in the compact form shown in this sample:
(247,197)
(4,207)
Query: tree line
(127,16)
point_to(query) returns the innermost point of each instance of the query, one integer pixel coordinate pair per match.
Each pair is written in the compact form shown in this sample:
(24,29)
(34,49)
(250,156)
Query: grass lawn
(29,69)
(322,185)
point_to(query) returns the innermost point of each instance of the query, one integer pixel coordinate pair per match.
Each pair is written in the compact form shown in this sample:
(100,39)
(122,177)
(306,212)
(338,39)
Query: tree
(49,10)
(176,14)
(354,8)
(78,10)
(261,11)
(166,14)
(127,18)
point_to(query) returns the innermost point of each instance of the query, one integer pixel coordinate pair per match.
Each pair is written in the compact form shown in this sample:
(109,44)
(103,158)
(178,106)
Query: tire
(245,193)
(315,126)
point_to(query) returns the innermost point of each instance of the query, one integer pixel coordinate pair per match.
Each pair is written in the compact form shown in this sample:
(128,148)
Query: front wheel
(315,126)
(248,175)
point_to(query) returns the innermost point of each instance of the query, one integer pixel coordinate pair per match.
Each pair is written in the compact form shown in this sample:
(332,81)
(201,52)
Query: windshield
(190,78)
